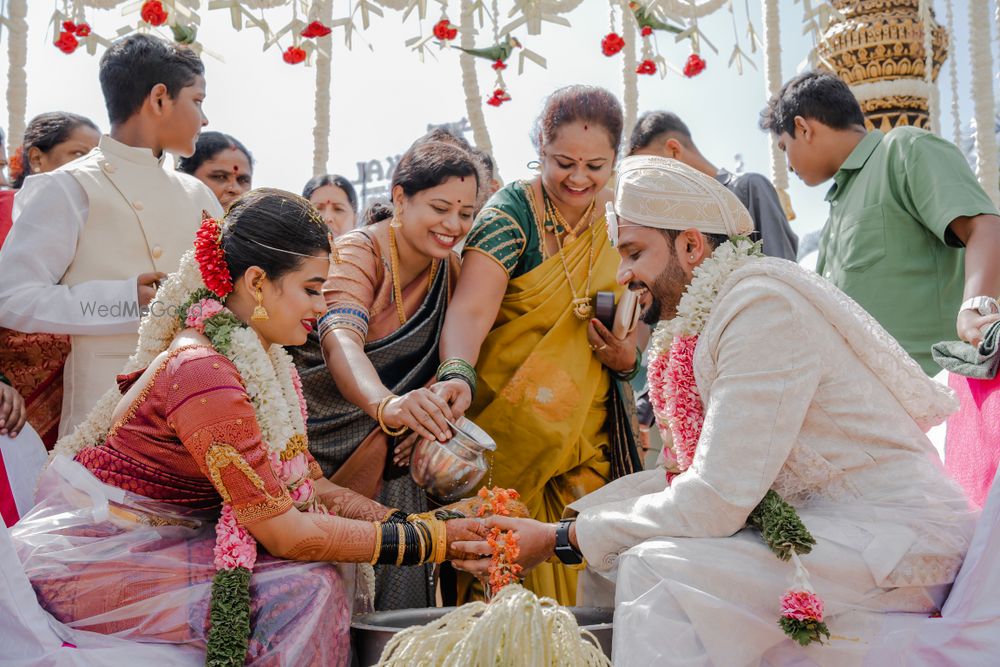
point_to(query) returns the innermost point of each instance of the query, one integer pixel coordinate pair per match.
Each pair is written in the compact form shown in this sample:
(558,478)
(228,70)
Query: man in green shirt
(911,236)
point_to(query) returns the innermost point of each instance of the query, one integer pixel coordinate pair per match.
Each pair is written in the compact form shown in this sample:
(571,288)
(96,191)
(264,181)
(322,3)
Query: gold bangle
(388,515)
(402,543)
(378,542)
(441,538)
(381,422)
(422,540)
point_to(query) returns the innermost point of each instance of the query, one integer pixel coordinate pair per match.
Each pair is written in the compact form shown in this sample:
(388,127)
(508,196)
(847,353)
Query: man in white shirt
(774,385)
(91,240)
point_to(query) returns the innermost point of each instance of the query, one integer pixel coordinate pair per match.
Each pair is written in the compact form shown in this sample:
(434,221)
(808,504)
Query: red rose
(694,66)
(153,13)
(316,29)
(646,67)
(69,26)
(499,65)
(293,55)
(646,31)
(445,31)
(612,44)
(82,29)
(499,97)
(66,43)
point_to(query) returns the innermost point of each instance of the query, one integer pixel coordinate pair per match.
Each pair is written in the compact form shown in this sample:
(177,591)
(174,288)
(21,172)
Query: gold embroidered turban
(655,191)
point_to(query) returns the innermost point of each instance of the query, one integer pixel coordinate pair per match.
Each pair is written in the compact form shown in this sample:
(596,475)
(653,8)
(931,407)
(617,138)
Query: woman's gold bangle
(378,541)
(381,421)
(402,543)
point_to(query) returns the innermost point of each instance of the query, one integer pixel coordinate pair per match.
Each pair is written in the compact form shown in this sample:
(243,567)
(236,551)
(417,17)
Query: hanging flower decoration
(694,66)
(646,31)
(15,167)
(211,260)
(444,30)
(82,29)
(153,13)
(499,97)
(647,66)
(293,55)
(316,29)
(802,617)
(612,44)
(67,42)
(499,65)
(503,568)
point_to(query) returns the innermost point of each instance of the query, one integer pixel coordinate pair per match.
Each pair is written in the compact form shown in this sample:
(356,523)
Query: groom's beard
(665,294)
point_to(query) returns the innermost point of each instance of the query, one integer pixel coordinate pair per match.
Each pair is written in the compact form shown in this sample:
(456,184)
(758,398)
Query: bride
(147,525)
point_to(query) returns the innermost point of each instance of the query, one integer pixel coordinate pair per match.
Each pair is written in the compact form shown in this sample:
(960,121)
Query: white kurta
(807,395)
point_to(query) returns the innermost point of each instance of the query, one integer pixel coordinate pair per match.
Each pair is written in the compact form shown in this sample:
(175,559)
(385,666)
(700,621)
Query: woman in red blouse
(210,413)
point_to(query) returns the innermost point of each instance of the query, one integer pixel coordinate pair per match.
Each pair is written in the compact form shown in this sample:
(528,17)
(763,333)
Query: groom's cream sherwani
(805,394)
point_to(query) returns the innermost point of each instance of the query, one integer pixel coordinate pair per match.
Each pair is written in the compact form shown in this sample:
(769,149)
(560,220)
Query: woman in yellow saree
(549,377)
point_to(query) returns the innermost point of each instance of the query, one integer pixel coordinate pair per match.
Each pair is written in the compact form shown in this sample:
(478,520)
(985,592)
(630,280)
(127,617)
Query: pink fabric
(8,508)
(972,446)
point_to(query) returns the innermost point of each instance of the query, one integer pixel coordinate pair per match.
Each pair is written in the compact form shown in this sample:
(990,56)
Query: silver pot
(371,632)
(448,471)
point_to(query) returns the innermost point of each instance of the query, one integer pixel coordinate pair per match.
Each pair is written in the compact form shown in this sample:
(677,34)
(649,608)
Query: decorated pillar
(17,80)
(879,50)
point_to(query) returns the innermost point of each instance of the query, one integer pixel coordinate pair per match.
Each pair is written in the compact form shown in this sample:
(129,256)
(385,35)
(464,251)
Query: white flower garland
(871,90)
(933,106)
(630,80)
(699,298)
(956,116)
(982,96)
(470,81)
(324,57)
(17,78)
(772,81)
(267,375)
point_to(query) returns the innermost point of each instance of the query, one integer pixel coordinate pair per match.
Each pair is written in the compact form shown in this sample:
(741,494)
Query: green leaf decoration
(804,632)
(780,526)
(219,329)
(229,632)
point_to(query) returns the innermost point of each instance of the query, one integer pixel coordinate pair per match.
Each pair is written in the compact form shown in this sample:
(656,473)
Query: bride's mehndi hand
(465,537)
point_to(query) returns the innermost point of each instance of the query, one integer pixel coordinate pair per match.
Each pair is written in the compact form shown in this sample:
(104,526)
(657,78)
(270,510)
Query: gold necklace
(581,305)
(397,290)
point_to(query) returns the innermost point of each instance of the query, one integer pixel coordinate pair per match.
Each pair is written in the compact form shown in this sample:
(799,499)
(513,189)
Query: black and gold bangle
(401,541)
(456,367)
(390,544)
(411,554)
(395,516)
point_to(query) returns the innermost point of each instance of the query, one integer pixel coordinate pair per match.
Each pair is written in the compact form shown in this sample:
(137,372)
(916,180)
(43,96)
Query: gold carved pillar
(878,49)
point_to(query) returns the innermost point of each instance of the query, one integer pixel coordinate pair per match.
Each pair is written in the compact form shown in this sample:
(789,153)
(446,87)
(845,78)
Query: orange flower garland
(504,569)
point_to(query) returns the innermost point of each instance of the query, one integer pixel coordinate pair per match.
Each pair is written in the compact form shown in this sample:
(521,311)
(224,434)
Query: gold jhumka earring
(259,312)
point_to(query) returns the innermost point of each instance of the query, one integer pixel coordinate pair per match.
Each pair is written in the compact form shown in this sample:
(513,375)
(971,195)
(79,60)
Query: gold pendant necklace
(397,290)
(581,306)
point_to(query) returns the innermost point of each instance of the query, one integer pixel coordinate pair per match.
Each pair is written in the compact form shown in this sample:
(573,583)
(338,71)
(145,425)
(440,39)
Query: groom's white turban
(655,191)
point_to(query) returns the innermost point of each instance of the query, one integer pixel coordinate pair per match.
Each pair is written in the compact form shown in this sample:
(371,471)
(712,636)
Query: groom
(769,379)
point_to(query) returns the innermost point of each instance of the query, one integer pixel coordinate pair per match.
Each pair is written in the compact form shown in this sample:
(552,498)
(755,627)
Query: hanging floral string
(679,411)
(612,43)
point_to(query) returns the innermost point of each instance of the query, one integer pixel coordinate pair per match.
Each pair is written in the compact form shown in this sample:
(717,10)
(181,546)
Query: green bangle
(630,375)
(455,367)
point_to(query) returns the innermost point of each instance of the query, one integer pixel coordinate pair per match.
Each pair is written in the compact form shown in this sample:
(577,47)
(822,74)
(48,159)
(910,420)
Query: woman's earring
(259,312)
(535,165)
(396,221)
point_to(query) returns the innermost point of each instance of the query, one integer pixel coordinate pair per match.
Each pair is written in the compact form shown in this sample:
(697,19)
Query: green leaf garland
(780,526)
(804,632)
(229,630)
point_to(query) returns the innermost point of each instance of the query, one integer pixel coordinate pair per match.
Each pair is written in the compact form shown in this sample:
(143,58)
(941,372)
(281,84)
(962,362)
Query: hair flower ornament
(210,258)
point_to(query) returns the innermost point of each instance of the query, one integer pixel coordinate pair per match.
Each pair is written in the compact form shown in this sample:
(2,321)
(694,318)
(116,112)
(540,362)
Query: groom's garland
(678,408)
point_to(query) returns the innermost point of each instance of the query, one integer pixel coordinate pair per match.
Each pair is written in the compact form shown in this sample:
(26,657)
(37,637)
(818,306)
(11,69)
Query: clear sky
(383,97)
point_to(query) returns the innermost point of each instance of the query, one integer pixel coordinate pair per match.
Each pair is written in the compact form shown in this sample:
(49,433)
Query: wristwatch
(985,305)
(565,551)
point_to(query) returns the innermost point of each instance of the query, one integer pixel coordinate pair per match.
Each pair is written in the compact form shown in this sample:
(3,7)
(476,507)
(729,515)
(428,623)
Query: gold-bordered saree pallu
(351,448)
(563,424)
